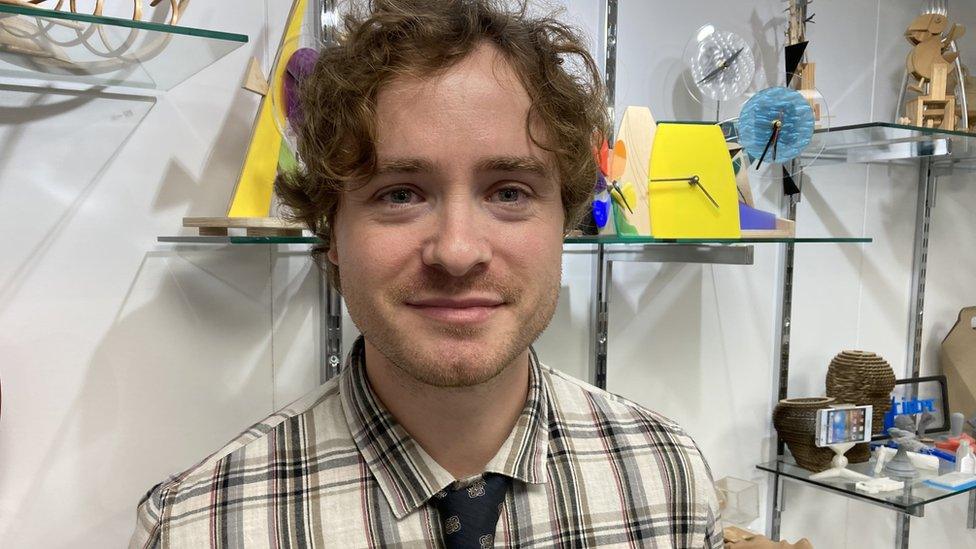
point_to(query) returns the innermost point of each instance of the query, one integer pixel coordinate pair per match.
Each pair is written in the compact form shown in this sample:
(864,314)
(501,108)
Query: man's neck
(461,428)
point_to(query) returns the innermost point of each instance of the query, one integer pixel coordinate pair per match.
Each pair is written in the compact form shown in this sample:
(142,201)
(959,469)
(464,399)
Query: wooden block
(742,179)
(949,122)
(253,226)
(254,79)
(811,96)
(274,232)
(734,534)
(937,90)
(637,130)
(784,229)
(786,225)
(914,110)
(808,76)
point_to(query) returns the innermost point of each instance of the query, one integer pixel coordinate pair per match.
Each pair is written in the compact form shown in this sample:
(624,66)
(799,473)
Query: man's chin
(455,360)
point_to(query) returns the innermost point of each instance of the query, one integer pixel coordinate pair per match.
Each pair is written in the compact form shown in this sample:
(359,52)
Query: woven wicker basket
(795,420)
(859,377)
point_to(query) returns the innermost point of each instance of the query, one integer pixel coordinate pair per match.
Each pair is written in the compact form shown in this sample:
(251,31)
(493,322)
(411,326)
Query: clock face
(722,63)
(691,187)
(776,125)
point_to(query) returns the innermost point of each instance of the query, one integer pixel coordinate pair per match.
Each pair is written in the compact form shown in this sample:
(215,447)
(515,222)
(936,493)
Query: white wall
(125,360)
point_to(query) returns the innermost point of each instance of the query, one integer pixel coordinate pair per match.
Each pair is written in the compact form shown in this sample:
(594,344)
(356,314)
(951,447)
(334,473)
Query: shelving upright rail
(325,20)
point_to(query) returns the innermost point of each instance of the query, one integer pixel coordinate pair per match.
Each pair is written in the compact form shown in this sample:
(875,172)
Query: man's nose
(459,241)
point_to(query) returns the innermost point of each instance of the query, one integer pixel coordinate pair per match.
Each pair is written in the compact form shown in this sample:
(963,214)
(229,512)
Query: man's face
(450,256)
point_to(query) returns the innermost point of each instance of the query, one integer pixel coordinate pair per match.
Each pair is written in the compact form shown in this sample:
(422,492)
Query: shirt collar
(405,473)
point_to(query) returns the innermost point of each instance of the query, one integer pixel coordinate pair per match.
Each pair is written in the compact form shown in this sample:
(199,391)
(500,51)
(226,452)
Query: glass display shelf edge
(883,143)
(910,499)
(47,45)
(120,22)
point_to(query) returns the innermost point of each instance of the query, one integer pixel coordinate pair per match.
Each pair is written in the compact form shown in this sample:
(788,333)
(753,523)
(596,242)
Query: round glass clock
(721,63)
(775,125)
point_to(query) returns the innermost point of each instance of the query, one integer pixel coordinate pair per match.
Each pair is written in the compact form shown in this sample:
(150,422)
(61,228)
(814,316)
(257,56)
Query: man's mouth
(457,310)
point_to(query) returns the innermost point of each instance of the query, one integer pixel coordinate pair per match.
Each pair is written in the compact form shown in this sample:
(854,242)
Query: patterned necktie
(469,514)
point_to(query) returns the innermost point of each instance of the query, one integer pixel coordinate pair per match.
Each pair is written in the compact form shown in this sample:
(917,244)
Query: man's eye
(509,194)
(399,196)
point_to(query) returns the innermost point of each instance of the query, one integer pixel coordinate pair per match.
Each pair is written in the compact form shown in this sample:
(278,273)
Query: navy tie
(469,514)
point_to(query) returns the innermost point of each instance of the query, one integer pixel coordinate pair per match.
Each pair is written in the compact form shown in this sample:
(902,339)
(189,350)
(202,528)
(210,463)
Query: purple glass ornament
(300,65)
(601,183)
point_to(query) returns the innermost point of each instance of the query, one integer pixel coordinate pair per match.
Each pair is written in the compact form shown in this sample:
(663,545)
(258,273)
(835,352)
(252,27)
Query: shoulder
(190,492)
(639,444)
(254,437)
(599,421)
(573,396)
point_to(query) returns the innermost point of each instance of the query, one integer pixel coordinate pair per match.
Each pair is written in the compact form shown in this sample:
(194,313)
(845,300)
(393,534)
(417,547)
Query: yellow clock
(691,185)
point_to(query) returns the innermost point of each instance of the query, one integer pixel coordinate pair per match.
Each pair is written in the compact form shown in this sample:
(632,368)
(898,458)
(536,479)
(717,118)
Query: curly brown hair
(386,39)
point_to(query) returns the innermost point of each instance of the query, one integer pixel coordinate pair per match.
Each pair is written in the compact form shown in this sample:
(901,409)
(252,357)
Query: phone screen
(844,425)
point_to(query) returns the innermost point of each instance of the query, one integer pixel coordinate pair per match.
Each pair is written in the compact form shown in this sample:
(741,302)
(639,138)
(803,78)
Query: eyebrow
(528,164)
(405,165)
(504,163)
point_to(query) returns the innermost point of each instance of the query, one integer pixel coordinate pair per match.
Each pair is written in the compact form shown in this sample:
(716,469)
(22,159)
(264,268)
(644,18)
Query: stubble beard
(420,360)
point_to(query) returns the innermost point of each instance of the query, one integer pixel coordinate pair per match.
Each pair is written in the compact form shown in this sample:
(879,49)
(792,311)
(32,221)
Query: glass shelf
(570,240)
(46,44)
(911,499)
(883,142)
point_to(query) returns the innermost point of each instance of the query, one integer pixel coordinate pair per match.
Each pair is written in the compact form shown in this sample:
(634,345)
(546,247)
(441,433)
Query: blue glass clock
(775,125)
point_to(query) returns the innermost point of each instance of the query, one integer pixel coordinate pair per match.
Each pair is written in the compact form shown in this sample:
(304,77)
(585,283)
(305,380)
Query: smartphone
(843,425)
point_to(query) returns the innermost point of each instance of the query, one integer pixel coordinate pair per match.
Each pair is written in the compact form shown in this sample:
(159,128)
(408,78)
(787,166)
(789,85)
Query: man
(447,148)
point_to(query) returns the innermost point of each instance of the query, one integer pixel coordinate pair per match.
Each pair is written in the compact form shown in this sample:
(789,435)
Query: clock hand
(712,74)
(775,145)
(620,193)
(733,56)
(696,181)
(721,66)
(772,139)
(693,181)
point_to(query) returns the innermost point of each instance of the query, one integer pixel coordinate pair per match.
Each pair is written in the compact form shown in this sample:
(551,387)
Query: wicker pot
(795,420)
(859,377)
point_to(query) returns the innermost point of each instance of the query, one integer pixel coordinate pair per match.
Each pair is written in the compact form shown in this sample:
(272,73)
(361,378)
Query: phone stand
(838,467)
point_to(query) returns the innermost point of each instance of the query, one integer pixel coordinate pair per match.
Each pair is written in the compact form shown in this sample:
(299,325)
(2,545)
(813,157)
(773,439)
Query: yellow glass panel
(252,196)
(696,157)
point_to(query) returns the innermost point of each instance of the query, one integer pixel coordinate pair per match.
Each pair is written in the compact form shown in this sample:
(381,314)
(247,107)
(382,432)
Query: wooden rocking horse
(929,64)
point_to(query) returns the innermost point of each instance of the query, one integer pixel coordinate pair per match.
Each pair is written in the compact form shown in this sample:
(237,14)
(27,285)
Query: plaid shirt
(334,469)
